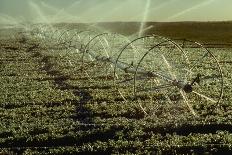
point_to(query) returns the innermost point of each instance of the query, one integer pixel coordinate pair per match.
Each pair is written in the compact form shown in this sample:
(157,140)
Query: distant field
(204,32)
(48,105)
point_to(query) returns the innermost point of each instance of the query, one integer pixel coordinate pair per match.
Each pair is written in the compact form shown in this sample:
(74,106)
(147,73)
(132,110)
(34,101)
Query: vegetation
(49,106)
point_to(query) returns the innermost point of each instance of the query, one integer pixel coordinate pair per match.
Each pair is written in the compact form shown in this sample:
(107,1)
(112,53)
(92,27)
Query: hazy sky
(114,10)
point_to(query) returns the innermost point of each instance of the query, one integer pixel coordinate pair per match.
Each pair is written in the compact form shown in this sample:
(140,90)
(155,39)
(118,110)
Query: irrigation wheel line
(188,75)
(130,69)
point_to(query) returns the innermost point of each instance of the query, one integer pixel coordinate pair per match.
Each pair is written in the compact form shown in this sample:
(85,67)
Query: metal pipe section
(131,69)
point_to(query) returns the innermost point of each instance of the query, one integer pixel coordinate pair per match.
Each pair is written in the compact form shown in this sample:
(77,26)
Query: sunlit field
(82,89)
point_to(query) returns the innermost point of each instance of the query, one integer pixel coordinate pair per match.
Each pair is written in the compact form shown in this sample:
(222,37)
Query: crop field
(83,91)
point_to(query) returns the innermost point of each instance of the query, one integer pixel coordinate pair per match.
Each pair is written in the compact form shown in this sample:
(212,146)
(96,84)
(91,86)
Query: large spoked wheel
(132,72)
(204,73)
(175,74)
(99,54)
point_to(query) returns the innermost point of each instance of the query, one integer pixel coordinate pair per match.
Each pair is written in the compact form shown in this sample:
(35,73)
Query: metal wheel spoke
(205,97)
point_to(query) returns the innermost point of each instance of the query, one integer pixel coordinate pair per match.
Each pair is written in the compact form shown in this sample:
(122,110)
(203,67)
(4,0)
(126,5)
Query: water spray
(148,65)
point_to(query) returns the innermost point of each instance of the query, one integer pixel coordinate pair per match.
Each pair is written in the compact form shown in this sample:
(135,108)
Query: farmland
(48,105)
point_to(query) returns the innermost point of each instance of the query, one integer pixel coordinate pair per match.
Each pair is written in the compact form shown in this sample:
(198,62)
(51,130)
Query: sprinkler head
(188,88)
(196,79)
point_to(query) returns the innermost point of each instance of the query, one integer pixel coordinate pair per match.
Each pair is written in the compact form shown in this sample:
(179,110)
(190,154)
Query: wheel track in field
(59,80)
